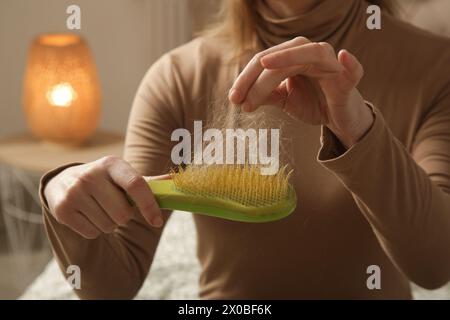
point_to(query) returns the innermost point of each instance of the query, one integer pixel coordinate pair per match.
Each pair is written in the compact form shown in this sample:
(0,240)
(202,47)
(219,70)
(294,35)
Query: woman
(377,193)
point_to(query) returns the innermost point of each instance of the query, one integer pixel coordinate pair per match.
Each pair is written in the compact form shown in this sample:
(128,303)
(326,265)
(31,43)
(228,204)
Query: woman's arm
(114,265)
(404,196)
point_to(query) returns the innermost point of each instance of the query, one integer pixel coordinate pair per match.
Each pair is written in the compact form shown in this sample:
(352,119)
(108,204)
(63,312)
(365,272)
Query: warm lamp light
(61,90)
(61,95)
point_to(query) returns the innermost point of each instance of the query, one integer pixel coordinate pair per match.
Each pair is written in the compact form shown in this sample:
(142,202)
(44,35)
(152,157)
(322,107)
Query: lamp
(61,89)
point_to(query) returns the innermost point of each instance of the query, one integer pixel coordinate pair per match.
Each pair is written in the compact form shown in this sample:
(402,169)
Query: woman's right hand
(92,198)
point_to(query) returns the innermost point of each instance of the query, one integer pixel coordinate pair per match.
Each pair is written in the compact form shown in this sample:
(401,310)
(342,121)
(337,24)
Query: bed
(174,273)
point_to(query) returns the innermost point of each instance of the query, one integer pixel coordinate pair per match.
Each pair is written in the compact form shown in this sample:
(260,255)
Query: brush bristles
(240,183)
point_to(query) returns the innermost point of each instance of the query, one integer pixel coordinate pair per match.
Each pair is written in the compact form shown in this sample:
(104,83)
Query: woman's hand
(91,198)
(310,83)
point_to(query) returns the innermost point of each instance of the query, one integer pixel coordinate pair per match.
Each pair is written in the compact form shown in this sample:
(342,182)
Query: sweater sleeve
(404,195)
(115,265)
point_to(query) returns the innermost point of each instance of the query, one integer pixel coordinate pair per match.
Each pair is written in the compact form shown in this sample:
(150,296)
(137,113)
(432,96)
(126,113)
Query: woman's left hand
(309,82)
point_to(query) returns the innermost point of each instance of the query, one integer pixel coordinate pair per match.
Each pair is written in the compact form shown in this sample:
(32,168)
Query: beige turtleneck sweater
(384,202)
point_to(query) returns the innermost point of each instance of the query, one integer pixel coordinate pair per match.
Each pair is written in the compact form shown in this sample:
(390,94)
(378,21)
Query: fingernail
(264,61)
(157,221)
(349,53)
(234,96)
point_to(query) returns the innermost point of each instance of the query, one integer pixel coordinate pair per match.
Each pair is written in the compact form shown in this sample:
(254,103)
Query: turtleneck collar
(329,21)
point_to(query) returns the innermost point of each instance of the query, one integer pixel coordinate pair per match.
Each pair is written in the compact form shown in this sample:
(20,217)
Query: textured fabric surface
(174,273)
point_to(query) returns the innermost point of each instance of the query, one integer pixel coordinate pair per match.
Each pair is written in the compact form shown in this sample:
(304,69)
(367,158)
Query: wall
(126,36)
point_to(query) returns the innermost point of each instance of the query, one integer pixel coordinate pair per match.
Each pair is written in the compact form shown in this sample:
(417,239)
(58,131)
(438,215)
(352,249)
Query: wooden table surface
(28,153)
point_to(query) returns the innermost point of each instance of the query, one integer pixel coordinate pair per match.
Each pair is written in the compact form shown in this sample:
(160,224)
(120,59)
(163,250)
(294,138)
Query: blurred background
(125,37)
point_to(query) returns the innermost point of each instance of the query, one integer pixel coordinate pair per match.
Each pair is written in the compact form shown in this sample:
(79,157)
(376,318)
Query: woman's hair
(237,21)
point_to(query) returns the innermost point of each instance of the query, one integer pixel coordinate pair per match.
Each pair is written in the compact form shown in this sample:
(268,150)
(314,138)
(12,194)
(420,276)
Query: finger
(96,215)
(353,70)
(81,225)
(114,202)
(250,73)
(311,102)
(299,89)
(271,79)
(264,87)
(321,55)
(278,96)
(138,190)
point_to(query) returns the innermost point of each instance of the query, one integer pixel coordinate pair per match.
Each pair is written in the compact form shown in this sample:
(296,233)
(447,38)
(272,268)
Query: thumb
(353,70)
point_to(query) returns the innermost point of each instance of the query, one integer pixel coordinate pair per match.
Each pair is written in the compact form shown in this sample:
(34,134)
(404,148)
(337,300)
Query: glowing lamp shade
(61,89)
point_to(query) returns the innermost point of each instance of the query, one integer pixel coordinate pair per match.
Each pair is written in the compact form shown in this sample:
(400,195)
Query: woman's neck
(289,8)
(318,20)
